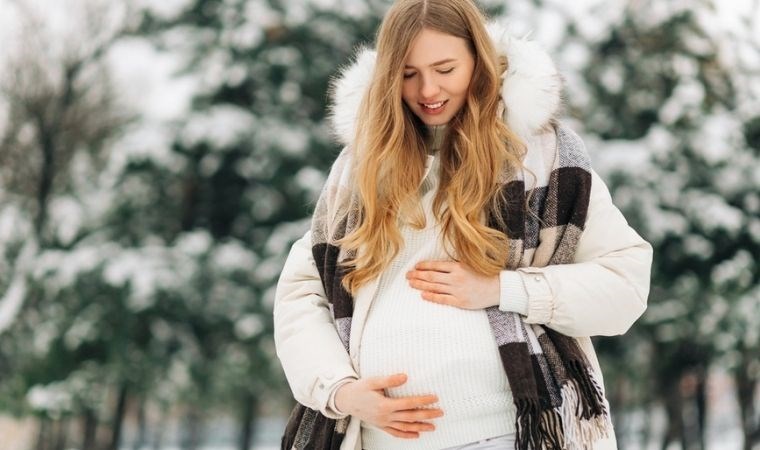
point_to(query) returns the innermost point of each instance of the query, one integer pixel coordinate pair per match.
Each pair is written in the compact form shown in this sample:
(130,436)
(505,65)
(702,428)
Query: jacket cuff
(513,295)
(331,407)
(324,389)
(540,296)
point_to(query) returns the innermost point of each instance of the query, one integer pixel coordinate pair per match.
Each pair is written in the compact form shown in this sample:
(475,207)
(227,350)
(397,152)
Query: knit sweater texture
(444,350)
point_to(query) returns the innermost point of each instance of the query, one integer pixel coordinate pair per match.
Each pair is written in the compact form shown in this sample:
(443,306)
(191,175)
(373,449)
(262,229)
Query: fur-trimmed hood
(531,89)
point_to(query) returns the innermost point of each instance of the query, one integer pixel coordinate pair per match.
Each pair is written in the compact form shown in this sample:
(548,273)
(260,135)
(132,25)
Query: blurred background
(158,159)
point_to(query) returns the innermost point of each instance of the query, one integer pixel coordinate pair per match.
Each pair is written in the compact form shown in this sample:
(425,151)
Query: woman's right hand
(401,417)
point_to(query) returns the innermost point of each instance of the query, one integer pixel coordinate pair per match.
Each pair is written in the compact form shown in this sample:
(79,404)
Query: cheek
(407,94)
(462,83)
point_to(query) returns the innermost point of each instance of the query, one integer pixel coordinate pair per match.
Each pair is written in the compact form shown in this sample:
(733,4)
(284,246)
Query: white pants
(503,442)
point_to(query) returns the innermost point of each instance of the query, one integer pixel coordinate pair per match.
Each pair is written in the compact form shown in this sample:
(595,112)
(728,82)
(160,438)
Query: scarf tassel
(583,409)
(537,429)
(580,420)
(591,398)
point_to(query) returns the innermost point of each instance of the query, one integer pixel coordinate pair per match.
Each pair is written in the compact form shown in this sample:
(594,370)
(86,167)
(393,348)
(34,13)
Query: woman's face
(437,74)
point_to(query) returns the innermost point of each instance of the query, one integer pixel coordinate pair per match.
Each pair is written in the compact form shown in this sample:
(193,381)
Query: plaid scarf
(560,404)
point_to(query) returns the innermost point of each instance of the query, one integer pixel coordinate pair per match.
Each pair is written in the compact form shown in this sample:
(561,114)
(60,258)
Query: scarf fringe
(591,402)
(581,433)
(538,429)
(580,420)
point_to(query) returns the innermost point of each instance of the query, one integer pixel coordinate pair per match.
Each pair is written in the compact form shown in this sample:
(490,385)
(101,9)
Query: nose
(429,89)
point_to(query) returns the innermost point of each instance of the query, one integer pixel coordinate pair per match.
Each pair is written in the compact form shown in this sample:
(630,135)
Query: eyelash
(443,72)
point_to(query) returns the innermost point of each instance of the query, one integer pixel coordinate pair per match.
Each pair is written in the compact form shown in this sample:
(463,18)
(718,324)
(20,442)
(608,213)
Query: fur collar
(531,89)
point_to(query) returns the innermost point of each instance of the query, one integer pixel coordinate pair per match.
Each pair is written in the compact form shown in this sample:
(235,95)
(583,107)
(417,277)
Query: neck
(435,136)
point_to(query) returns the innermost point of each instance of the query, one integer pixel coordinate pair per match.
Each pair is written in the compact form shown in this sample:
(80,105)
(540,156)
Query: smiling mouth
(433,105)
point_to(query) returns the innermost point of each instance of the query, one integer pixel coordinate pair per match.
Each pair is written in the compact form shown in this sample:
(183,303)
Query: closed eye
(443,72)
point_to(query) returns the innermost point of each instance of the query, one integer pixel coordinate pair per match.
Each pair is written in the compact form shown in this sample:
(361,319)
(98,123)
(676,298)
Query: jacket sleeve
(605,290)
(306,340)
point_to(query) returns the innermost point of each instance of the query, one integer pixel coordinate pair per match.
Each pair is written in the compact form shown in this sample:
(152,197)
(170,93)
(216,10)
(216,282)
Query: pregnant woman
(460,255)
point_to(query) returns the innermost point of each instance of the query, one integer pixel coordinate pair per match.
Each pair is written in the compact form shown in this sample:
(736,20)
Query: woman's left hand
(453,283)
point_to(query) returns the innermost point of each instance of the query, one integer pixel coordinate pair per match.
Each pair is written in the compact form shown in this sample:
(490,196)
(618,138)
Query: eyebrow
(437,63)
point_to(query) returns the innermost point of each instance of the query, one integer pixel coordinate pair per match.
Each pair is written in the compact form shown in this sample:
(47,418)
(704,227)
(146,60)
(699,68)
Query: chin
(434,120)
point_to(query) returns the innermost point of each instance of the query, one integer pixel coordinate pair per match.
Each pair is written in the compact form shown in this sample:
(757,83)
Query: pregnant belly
(446,351)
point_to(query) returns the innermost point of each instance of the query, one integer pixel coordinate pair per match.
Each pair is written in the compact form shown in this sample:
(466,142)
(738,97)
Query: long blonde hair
(390,149)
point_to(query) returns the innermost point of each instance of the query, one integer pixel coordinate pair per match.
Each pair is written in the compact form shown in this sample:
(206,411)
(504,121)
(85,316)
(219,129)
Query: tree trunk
(692,391)
(193,424)
(47,172)
(118,417)
(673,411)
(746,389)
(90,430)
(616,397)
(247,421)
(700,399)
(42,434)
(61,434)
(159,430)
(141,439)
(646,432)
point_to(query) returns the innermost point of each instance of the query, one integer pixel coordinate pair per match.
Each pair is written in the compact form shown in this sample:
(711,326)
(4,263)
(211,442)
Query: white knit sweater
(444,350)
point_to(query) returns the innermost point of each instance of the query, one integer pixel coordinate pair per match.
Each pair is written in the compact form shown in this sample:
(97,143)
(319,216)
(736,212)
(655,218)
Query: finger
(412,426)
(444,299)
(385,382)
(419,401)
(416,415)
(430,287)
(401,434)
(429,275)
(438,266)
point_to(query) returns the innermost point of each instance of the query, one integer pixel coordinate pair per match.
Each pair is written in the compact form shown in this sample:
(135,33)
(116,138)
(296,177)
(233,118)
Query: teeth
(434,105)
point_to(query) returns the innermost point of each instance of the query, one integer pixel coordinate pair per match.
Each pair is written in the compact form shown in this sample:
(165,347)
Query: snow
(711,212)
(194,243)
(221,126)
(165,9)
(81,330)
(735,270)
(268,271)
(149,79)
(53,398)
(311,180)
(14,223)
(696,245)
(249,326)
(612,77)
(292,139)
(13,298)
(67,216)
(261,14)
(718,137)
(285,234)
(231,256)
(144,271)
(147,141)
(610,155)
(686,98)
(266,201)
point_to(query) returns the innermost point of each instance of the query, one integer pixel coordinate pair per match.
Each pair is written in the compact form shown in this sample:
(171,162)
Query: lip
(433,112)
